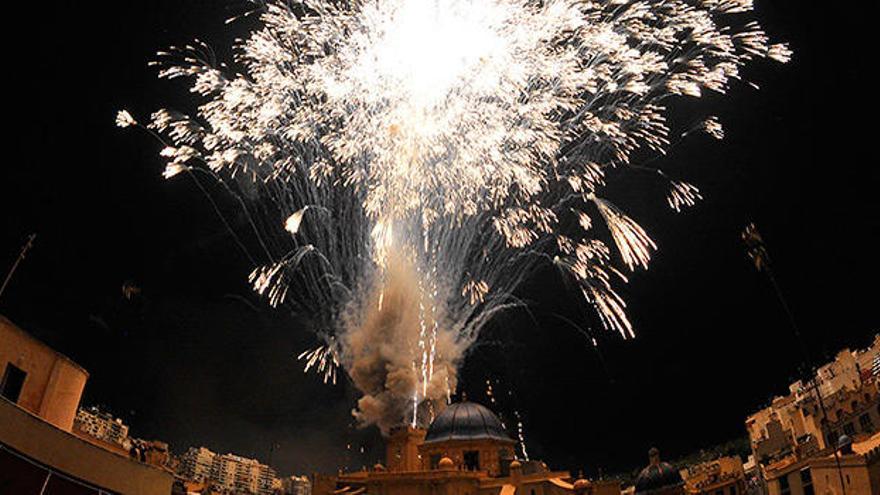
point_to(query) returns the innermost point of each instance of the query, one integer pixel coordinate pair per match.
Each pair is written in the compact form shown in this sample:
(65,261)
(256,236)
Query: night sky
(197,359)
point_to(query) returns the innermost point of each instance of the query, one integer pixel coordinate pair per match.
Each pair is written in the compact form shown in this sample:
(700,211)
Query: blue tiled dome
(466,421)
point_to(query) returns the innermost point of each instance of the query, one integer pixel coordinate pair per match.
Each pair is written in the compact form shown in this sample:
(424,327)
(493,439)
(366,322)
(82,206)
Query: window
(733,490)
(807,482)
(866,423)
(435,461)
(505,456)
(784,489)
(849,429)
(13,381)
(472,460)
(832,438)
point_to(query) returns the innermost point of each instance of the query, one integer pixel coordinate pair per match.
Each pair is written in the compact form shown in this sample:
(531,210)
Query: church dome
(466,421)
(657,476)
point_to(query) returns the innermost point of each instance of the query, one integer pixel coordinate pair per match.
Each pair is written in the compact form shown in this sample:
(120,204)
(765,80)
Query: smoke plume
(388,338)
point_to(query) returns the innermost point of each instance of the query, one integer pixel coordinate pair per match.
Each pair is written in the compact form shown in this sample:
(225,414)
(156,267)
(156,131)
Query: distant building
(798,425)
(102,426)
(869,359)
(725,476)
(227,473)
(40,391)
(794,440)
(859,471)
(296,485)
(195,464)
(465,451)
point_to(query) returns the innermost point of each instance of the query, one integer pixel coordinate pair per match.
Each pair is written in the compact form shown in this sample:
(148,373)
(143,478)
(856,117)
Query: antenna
(27,246)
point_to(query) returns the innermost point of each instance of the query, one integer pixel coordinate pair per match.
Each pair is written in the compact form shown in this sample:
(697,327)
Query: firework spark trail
(499,409)
(457,139)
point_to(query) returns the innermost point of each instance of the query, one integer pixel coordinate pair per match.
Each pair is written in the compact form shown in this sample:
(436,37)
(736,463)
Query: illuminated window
(13,381)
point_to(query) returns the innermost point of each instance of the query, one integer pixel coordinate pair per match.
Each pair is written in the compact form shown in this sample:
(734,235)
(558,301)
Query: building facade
(858,472)
(296,485)
(227,473)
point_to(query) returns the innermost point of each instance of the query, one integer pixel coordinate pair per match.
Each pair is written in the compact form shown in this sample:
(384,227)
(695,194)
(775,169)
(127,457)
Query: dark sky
(199,360)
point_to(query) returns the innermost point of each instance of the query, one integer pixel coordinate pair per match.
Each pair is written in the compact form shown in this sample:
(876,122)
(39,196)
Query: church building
(465,451)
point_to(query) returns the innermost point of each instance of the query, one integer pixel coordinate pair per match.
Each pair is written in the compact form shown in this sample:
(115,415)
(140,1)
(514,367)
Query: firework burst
(449,146)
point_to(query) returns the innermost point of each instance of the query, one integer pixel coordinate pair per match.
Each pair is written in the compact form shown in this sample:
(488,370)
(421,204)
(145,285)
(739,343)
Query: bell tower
(402,449)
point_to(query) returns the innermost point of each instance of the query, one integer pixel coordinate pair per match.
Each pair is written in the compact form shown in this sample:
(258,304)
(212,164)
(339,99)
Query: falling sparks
(124,119)
(520,436)
(324,360)
(456,137)
(755,246)
(682,195)
(712,126)
(475,291)
(293,221)
(173,169)
(491,394)
(633,243)
(780,52)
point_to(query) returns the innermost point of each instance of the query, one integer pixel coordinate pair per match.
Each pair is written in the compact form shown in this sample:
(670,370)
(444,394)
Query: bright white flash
(423,50)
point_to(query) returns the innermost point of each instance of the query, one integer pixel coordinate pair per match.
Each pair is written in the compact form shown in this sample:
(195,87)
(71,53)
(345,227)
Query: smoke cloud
(387,353)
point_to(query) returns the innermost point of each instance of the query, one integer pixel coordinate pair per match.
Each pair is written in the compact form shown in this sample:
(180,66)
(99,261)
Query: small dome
(581,485)
(657,476)
(466,421)
(446,463)
(379,467)
(515,464)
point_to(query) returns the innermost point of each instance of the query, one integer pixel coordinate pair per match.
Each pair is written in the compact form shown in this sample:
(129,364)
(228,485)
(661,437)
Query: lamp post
(759,255)
(27,246)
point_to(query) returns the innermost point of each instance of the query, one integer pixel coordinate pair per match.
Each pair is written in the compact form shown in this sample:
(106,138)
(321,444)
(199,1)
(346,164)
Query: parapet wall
(74,457)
